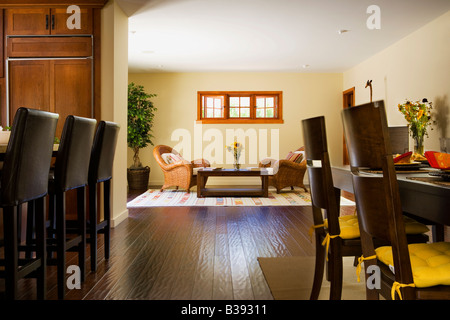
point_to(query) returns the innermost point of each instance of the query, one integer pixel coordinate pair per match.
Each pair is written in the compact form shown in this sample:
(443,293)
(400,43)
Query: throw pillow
(296,156)
(170,158)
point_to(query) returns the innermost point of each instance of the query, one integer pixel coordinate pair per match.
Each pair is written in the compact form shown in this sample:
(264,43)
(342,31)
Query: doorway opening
(348,102)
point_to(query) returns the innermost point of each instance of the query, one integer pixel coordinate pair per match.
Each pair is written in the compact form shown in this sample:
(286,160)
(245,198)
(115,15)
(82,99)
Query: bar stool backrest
(27,160)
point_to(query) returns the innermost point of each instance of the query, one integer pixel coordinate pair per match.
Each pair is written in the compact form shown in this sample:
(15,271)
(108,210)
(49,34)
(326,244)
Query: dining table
(422,194)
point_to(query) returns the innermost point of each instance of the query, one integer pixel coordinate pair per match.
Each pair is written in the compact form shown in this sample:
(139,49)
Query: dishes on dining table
(407,161)
(408,166)
(403,158)
(444,174)
(438,160)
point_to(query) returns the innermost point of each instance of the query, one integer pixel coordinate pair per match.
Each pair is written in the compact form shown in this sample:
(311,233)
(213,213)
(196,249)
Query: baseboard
(117,219)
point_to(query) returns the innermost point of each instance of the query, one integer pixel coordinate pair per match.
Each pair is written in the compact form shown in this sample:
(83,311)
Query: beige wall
(114,98)
(415,67)
(304,95)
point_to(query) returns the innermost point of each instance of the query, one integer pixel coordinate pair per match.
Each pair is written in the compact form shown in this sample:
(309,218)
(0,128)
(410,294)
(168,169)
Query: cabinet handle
(53,22)
(46,22)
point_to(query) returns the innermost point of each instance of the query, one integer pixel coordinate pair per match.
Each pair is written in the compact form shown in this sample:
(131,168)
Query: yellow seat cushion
(350,229)
(348,225)
(414,227)
(430,262)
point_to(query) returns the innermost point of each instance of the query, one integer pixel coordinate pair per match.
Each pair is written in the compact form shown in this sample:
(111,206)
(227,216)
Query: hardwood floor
(190,253)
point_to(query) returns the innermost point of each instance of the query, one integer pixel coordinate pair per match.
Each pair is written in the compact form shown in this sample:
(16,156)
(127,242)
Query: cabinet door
(72,22)
(34,21)
(71,89)
(61,86)
(28,86)
(62,47)
(43,21)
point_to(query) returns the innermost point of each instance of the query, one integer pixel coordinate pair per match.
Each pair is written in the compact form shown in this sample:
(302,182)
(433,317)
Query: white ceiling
(266,35)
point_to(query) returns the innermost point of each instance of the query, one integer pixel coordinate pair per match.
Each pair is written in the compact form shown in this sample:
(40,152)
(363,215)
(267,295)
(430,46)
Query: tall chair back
(25,179)
(377,197)
(323,194)
(330,242)
(28,155)
(103,151)
(72,160)
(100,171)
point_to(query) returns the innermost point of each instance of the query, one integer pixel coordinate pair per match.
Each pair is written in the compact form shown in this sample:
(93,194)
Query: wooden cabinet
(48,21)
(28,86)
(63,86)
(33,47)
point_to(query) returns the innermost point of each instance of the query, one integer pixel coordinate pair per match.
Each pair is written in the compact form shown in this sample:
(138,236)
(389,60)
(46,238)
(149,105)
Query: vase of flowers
(236,149)
(418,115)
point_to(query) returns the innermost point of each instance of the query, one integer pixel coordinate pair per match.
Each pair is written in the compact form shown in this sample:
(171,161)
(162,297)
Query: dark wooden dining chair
(336,236)
(100,171)
(380,215)
(325,196)
(70,172)
(24,179)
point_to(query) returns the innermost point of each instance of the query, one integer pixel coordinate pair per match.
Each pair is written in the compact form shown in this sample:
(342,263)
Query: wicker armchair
(287,173)
(180,174)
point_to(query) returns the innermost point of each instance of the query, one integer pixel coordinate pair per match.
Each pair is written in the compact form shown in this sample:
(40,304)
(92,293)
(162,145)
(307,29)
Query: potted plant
(141,113)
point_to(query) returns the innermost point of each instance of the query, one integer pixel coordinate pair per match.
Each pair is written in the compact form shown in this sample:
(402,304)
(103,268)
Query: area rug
(157,198)
(291,278)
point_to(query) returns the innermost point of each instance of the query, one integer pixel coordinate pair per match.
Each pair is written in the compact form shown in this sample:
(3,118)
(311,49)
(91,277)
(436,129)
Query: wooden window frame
(278,110)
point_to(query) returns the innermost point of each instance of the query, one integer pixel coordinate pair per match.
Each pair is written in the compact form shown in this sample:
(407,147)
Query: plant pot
(138,178)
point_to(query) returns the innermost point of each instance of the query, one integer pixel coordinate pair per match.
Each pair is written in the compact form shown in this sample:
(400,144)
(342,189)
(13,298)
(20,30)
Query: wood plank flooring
(190,253)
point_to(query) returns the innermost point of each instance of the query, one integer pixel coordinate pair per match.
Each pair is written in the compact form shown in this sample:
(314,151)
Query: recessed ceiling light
(148,51)
(343,31)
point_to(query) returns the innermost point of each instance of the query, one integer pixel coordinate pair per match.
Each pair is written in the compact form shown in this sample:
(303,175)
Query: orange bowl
(438,160)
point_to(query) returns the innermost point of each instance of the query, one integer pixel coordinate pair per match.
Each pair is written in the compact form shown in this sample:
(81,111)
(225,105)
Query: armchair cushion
(170,158)
(296,156)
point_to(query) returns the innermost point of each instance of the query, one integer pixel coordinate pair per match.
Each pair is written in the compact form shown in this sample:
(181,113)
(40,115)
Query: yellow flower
(420,114)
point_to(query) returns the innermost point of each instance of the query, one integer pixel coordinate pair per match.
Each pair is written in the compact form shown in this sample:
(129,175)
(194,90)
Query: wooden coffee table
(203,174)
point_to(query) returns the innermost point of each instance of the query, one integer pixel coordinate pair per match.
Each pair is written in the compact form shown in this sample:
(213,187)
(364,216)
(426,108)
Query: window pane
(269,102)
(260,102)
(212,106)
(234,112)
(209,102)
(245,112)
(269,113)
(234,102)
(218,103)
(245,101)
(259,113)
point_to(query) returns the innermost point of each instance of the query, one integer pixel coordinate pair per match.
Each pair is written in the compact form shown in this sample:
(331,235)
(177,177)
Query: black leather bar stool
(70,172)
(25,178)
(100,171)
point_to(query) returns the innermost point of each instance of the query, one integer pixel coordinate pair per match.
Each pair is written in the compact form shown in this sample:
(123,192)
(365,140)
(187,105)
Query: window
(239,107)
